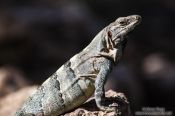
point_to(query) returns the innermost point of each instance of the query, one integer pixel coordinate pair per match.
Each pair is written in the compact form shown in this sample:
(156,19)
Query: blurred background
(37,37)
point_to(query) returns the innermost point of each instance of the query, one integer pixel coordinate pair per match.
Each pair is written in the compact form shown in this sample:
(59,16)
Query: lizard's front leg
(99,88)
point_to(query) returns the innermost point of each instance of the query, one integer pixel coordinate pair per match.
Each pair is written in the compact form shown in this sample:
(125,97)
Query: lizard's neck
(99,47)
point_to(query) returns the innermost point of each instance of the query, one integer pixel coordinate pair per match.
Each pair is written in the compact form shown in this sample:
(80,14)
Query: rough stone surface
(90,109)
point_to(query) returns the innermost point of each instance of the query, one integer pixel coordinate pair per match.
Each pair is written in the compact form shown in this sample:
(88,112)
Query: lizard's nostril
(137,17)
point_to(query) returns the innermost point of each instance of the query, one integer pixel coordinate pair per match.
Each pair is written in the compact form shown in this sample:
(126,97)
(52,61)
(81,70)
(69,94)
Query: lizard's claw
(113,105)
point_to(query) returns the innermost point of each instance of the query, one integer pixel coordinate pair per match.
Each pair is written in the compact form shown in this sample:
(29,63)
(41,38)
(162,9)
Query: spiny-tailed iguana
(85,73)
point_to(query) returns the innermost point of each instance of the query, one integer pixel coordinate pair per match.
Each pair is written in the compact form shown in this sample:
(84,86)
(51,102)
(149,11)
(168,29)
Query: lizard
(83,75)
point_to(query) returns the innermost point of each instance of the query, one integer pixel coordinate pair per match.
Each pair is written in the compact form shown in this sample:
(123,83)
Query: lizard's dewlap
(85,73)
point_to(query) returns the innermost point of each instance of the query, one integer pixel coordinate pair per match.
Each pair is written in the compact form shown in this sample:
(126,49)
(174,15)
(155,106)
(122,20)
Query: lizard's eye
(122,22)
(109,34)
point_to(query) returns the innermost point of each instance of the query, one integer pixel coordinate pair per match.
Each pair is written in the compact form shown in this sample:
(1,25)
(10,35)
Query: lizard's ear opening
(109,34)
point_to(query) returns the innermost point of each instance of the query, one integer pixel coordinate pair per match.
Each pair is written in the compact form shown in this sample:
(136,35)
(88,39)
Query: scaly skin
(85,73)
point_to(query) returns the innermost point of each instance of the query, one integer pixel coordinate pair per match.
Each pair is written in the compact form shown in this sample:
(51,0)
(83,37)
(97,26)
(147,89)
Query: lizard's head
(118,30)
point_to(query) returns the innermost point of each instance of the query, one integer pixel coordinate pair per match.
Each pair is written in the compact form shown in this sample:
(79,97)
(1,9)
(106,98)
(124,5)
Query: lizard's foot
(107,105)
